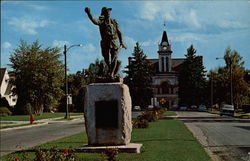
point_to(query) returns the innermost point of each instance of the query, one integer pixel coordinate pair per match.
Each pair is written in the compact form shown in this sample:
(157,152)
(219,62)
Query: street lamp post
(212,97)
(231,80)
(66,77)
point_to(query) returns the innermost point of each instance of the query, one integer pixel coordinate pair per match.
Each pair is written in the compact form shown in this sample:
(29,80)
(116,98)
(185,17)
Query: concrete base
(129,148)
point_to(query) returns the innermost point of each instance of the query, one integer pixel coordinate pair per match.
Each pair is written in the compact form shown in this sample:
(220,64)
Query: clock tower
(164,52)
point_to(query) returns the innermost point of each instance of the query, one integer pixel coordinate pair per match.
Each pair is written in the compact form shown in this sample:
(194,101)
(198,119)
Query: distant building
(165,80)
(6,87)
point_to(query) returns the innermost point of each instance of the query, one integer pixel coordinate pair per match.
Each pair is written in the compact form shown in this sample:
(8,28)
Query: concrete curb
(24,127)
(202,139)
(41,123)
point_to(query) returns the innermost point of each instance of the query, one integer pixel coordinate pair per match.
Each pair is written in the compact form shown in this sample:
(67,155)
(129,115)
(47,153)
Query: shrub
(140,123)
(161,111)
(144,118)
(111,154)
(4,111)
(150,116)
(54,154)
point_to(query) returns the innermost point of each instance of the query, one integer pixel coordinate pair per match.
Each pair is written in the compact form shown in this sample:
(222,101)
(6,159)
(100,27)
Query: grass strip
(164,140)
(170,113)
(43,116)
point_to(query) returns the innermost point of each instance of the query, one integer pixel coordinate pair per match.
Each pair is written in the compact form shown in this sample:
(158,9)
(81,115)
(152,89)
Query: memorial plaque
(106,114)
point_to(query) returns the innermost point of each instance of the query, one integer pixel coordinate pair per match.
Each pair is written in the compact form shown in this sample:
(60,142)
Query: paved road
(14,140)
(226,138)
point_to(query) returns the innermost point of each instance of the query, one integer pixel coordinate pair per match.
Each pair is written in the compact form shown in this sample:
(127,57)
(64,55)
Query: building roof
(8,89)
(176,62)
(152,61)
(2,72)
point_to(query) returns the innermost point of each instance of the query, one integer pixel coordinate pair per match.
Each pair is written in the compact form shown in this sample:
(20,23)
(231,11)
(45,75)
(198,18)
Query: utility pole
(212,97)
(231,80)
(66,78)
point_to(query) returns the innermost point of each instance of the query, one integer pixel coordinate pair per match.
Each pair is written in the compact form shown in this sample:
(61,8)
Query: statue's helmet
(105,9)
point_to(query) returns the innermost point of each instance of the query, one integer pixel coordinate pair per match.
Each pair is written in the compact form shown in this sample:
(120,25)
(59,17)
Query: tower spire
(164,35)
(164,38)
(164,25)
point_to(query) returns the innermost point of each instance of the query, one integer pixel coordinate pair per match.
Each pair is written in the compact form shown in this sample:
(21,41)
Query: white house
(6,87)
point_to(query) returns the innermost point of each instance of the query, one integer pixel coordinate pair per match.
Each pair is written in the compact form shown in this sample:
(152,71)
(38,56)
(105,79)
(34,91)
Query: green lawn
(164,140)
(43,116)
(169,113)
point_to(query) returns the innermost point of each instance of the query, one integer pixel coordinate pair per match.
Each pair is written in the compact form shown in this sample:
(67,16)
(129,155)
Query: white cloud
(150,42)
(230,24)
(168,16)
(6,45)
(184,37)
(197,15)
(129,42)
(59,43)
(170,11)
(193,19)
(38,7)
(27,24)
(149,11)
(89,47)
(154,10)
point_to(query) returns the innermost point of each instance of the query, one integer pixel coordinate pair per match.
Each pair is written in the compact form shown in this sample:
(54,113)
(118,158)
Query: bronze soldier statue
(109,30)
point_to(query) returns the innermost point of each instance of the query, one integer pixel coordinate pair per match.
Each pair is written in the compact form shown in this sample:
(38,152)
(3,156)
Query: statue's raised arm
(93,19)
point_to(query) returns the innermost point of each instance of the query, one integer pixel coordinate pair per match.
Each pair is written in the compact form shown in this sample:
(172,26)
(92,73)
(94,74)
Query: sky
(211,26)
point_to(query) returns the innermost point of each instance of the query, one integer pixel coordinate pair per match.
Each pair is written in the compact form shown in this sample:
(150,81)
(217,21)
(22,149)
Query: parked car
(183,108)
(150,106)
(174,107)
(137,108)
(193,107)
(202,108)
(227,110)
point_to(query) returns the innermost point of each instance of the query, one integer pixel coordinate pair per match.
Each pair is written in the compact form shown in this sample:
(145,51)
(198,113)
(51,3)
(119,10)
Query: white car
(227,110)
(193,107)
(202,108)
(183,108)
(137,108)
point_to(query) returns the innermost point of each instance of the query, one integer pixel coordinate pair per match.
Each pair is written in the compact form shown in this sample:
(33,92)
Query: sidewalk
(36,123)
(15,140)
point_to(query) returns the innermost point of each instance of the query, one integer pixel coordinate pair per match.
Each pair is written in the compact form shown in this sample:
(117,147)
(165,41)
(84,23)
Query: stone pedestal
(107,114)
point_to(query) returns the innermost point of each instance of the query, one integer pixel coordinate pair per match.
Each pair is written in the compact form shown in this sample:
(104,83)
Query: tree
(39,75)
(222,80)
(139,78)
(77,84)
(95,70)
(192,82)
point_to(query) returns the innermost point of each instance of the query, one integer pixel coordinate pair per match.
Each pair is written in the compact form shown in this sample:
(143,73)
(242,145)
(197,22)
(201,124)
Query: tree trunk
(39,109)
